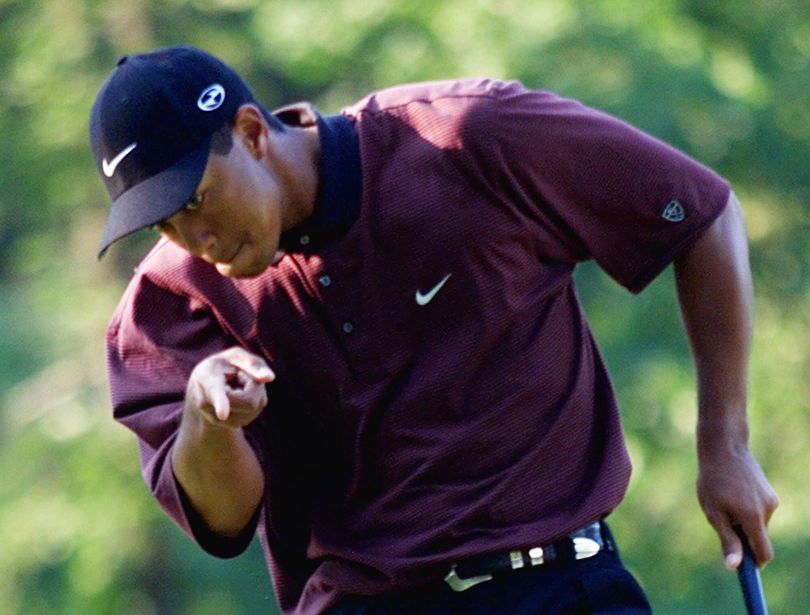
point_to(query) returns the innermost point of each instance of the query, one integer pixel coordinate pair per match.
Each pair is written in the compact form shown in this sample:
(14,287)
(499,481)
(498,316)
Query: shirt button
(303,240)
(325,281)
(348,327)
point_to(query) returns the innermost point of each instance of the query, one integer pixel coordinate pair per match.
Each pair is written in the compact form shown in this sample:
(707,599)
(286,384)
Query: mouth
(244,263)
(230,259)
(236,264)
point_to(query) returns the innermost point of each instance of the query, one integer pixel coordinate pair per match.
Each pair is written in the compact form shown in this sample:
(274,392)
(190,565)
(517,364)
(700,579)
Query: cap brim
(156,198)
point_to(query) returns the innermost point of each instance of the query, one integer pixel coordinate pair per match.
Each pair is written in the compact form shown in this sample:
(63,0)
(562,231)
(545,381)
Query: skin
(211,457)
(245,200)
(267,184)
(715,293)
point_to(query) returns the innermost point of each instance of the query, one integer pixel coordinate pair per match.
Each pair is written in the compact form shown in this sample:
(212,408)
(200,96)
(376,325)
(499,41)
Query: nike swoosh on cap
(109,167)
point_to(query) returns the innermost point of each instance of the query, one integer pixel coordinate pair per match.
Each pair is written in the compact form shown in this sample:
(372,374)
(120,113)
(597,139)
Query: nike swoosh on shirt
(109,167)
(424,299)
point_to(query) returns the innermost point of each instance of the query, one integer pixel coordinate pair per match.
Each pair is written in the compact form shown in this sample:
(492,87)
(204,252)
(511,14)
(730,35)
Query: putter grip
(751,582)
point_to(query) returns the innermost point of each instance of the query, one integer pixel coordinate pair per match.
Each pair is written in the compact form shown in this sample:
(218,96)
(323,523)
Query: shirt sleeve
(154,340)
(599,187)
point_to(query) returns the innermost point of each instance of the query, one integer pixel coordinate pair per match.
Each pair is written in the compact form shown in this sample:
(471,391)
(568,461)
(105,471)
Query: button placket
(325,281)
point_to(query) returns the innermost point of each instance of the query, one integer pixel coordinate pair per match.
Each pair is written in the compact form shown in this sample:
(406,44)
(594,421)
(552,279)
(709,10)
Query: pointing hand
(228,389)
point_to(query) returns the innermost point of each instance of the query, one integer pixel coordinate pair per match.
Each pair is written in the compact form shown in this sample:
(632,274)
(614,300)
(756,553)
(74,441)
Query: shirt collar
(337,203)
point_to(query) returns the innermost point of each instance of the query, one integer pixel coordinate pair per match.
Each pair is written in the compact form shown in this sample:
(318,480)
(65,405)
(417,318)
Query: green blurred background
(727,82)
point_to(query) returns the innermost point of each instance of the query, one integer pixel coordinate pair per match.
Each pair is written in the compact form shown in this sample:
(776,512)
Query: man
(359,334)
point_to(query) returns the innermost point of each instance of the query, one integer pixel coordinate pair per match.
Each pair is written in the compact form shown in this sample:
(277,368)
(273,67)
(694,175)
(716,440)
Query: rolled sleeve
(154,340)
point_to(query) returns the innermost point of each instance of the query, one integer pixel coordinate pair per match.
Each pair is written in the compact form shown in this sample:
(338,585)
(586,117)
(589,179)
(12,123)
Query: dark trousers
(600,585)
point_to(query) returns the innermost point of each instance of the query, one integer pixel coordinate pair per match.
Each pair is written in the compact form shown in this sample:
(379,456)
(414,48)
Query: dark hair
(222,137)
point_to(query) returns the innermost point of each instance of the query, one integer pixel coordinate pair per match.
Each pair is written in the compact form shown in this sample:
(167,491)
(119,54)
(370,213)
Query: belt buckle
(460,584)
(585,547)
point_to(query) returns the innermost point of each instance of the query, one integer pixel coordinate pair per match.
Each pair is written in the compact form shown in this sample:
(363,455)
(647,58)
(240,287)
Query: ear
(251,128)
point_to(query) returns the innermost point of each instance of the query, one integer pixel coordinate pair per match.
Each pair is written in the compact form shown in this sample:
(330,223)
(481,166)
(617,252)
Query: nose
(195,236)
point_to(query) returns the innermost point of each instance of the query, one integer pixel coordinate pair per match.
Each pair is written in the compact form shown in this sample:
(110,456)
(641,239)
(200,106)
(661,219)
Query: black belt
(578,545)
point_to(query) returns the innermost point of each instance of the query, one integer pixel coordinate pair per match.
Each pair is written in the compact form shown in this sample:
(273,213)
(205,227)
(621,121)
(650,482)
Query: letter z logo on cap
(211,97)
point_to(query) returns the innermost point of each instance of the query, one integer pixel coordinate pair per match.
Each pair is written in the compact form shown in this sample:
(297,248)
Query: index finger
(756,535)
(253,365)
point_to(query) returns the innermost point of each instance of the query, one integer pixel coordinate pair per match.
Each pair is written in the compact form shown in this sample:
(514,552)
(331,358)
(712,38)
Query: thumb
(732,546)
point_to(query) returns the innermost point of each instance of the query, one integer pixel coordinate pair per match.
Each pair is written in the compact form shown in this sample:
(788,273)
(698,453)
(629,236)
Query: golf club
(750,581)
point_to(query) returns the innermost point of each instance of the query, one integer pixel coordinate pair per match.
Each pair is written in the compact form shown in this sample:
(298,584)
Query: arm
(211,458)
(716,298)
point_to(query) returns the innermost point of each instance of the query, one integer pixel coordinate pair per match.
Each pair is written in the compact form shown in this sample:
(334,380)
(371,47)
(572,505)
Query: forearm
(212,459)
(715,293)
(219,472)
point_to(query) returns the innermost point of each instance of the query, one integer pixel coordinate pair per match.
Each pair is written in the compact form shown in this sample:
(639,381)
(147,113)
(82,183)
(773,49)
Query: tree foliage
(727,82)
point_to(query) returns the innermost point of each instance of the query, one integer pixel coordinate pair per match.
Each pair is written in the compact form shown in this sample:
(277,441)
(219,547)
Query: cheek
(172,236)
(261,209)
(254,202)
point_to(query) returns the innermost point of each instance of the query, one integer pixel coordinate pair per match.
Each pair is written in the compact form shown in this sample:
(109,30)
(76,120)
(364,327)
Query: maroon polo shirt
(438,390)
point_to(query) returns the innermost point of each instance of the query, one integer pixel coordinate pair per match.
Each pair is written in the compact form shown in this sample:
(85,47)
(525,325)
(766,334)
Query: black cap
(150,131)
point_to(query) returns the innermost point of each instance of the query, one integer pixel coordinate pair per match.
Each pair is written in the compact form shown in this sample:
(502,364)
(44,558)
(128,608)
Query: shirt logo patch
(673,212)
(424,299)
(211,97)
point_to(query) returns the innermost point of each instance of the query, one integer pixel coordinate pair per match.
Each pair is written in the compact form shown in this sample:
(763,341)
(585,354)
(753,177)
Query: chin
(243,272)
(230,271)
(251,273)
(243,266)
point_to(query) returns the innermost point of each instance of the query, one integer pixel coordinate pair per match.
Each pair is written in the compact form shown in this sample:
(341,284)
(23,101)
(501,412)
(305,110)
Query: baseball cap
(150,132)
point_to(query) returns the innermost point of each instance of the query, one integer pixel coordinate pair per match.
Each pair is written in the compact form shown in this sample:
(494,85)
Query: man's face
(234,219)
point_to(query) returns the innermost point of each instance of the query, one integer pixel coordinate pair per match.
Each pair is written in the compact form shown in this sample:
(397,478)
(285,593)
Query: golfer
(358,335)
